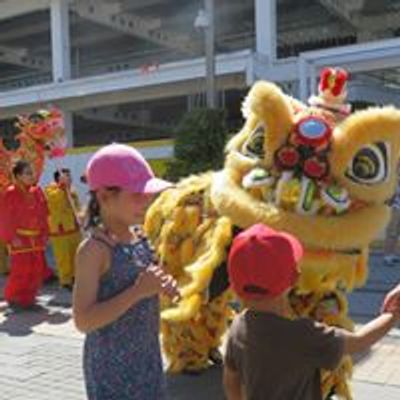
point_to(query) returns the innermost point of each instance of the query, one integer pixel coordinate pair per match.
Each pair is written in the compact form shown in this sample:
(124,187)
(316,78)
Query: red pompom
(333,80)
(315,168)
(288,157)
(326,73)
(340,80)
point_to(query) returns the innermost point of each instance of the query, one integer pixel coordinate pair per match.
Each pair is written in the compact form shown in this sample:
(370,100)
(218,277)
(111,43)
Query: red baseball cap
(263,262)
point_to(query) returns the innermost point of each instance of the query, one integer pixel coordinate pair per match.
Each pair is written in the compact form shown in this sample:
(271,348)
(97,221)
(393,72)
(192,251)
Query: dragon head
(39,135)
(45,127)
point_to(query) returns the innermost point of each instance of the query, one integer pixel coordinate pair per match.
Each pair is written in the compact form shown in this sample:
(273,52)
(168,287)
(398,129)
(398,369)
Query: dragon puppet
(315,170)
(39,135)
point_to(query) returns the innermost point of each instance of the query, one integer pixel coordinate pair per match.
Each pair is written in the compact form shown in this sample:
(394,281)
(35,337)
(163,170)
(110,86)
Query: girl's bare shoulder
(93,249)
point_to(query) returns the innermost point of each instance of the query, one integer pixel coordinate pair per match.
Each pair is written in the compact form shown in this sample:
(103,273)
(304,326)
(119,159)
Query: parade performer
(3,258)
(24,228)
(315,171)
(23,209)
(63,204)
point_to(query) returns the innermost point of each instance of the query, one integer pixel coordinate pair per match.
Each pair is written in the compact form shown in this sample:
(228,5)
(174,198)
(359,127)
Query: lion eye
(254,145)
(370,164)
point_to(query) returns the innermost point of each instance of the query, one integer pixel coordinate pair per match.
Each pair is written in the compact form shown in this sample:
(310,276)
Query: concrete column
(266,28)
(69,127)
(60,46)
(313,80)
(303,78)
(210,54)
(61,53)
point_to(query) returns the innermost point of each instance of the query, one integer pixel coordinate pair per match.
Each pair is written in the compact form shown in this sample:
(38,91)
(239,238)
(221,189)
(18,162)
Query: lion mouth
(298,194)
(349,252)
(345,252)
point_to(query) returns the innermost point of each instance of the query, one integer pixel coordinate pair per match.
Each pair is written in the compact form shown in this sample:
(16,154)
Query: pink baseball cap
(119,165)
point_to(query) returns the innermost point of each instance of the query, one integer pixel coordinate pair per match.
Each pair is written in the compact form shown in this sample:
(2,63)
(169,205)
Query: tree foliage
(199,143)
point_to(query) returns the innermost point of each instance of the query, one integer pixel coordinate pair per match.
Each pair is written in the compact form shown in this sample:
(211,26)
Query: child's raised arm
(91,261)
(370,333)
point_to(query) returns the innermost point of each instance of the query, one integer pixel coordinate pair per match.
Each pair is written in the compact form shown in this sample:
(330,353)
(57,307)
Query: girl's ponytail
(92,217)
(93,212)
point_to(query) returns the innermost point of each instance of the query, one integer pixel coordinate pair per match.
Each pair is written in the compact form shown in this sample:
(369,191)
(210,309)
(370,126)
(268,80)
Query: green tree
(199,143)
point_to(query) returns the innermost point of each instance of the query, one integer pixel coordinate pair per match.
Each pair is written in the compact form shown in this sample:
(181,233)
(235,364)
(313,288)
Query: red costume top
(23,218)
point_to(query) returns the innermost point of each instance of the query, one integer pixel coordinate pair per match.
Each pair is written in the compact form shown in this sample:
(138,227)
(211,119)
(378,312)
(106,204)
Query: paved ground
(40,351)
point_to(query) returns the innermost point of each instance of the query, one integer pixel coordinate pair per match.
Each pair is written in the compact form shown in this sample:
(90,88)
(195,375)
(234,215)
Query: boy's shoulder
(252,320)
(309,327)
(258,322)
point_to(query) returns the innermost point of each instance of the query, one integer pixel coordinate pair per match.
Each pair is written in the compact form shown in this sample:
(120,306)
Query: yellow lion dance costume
(316,171)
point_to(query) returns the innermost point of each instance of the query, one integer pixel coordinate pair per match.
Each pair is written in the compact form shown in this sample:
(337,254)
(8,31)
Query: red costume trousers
(27,271)
(25,278)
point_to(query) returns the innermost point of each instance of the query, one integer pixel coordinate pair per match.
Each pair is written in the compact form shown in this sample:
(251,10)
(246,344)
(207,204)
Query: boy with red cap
(269,356)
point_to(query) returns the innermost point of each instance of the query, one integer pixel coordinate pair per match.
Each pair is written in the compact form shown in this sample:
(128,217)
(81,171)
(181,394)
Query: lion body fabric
(316,171)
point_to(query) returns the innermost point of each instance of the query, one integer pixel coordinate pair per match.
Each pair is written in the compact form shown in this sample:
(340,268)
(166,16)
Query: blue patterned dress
(122,360)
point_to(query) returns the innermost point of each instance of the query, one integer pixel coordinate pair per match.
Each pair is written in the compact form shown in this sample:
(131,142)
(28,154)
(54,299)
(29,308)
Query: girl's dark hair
(93,215)
(19,167)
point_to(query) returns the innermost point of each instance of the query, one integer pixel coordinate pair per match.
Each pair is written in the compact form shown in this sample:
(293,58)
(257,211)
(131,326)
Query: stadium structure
(127,70)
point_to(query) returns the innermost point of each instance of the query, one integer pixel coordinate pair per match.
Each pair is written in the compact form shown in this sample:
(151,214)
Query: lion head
(316,170)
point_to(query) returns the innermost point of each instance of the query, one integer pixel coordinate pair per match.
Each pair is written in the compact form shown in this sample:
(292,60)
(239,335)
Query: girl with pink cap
(118,281)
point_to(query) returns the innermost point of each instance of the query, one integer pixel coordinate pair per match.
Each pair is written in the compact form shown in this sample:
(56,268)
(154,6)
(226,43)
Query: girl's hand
(170,287)
(149,282)
(155,281)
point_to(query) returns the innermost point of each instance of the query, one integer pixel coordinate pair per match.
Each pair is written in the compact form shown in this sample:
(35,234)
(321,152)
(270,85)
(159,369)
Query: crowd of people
(117,280)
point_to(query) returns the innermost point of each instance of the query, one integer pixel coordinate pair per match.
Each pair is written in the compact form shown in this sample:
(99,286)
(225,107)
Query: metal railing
(116,61)
(21,81)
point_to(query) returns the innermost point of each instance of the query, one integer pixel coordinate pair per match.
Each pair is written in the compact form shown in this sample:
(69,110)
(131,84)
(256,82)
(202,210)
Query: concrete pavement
(41,352)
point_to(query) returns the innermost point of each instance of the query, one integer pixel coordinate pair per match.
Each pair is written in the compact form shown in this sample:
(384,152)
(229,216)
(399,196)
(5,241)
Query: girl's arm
(91,261)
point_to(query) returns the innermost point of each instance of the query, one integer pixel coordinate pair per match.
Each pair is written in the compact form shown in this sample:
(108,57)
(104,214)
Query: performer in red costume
(23,226)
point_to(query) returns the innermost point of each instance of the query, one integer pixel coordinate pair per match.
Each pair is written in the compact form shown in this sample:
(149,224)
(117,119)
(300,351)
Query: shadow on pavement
(53,295)
(208,385)
(21,322)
